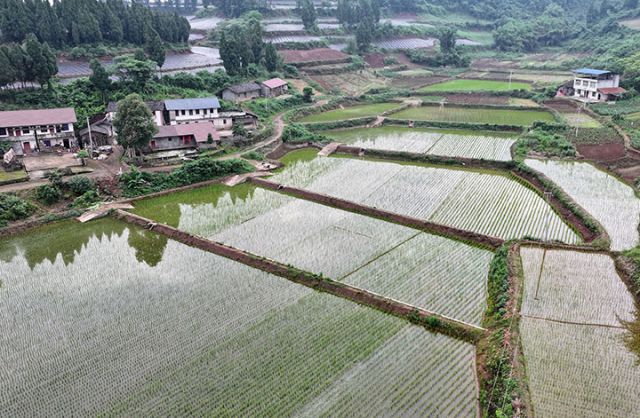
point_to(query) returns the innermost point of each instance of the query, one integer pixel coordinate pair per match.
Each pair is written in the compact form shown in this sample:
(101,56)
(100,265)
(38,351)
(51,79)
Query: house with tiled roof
(181,111)
(241,92)
(274,87)
(38,129)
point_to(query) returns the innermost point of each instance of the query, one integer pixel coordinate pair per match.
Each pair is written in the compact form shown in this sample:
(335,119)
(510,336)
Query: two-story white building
(590,85)
(181,111)
(38,129)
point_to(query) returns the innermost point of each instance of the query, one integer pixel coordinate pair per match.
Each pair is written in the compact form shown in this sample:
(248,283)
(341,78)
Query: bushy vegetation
(541,142)
(80,22)
(266,108)
(501,388)
(13,208)
(80,185)
(253,155)
(136,183)
(296,132)
(48,194)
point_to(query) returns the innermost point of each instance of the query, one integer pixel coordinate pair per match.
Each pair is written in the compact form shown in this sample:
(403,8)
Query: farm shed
(274,87)
(240,92)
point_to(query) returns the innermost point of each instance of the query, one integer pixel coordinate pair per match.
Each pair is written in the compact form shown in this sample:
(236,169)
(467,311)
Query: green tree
(308,14)
(271,60)
(307,94)
(100,78)
(41,62)
(134,124)
(364,34)
(153,46)
(137,72)
(8,73)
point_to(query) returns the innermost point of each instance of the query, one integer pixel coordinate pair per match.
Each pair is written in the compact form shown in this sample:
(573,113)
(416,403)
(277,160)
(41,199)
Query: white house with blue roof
(591,85)
(181,111)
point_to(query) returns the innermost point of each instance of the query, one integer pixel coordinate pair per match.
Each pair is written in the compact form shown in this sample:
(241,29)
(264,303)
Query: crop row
(485,203)
(607,199)
(431,272)
(434,143)
(572,336)
(469,115)
(199,334)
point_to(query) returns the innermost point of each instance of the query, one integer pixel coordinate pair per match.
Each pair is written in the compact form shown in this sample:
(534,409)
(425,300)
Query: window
(224,121)
(197,111)
(65,127)
(184,112)
(190,112)
(3,131)
(26,130)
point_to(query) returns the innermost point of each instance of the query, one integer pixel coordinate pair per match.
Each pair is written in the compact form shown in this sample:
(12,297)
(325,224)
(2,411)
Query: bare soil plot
(320,55)
(602,152)
(576,361)
(352,83)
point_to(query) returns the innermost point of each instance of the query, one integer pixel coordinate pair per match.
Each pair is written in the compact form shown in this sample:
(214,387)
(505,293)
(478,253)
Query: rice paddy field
(458,114)
(171,330)
(577,363)
(430,272)
(352,112)
(462,85)
(449,143)
(481,202)
(607,199)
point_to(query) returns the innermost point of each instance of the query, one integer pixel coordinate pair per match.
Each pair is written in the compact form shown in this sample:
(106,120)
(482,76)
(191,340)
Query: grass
(353,112)
(462,85)
(12,176)
(455,114)
(581,120)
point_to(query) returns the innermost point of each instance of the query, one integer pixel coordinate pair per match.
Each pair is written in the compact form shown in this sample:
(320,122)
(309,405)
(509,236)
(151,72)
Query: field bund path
(431,320)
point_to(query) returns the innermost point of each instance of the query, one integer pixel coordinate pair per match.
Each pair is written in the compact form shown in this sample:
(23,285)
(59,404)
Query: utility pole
(90,138)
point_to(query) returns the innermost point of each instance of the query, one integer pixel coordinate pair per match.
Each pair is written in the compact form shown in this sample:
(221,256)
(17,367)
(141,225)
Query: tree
(447,37)
(134,124)
(7,75)
(307,94)
(364,34)
(271,58)
(308,14)
(100,78)
(129,69)
(153,46)
(41,62)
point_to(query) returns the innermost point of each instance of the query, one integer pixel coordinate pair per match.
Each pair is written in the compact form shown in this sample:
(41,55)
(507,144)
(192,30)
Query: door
(26,147)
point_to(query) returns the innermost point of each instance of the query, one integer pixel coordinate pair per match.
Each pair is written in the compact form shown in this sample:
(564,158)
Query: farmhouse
(40,129)
(590,85)
(180,111)
(156,107)
(274,87)
(240,92)
(182,137)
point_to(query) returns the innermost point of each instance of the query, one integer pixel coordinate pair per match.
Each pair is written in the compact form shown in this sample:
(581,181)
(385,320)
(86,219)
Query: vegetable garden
(352,112)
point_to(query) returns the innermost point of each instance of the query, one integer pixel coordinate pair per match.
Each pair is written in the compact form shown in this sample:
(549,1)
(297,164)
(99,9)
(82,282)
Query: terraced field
(607,199)
(481,202)
(581,120)
(426,141)
(457,114)
(352,112)
(430,272)
(462,85)
(577,363)
(193,333)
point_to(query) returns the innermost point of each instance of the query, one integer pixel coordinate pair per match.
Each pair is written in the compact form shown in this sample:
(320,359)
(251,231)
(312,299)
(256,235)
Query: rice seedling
(611,202)
(106,333)
(504,208)
(577,362)
(471,115)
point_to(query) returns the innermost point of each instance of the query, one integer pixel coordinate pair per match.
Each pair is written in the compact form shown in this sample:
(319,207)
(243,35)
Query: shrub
(80,185)
(13,208)
(136,183)
(296,132)
(545,143)
(48,194)
(253,155)
(307,94)
(89,198)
